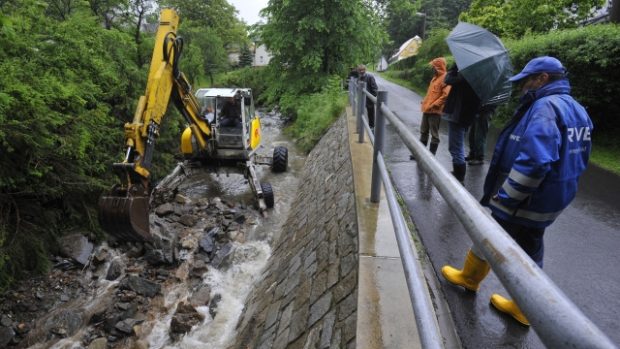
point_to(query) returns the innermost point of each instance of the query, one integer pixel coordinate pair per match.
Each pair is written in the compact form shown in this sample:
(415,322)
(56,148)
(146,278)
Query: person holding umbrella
(480,79)
(533,175)
(460,111)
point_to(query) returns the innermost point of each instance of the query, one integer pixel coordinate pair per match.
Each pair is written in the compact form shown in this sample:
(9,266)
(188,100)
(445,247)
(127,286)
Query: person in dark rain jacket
(460,111)
(371,86)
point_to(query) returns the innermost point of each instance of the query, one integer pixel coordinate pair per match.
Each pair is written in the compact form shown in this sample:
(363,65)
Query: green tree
(254,32)
(62,9)
(107,10)
(405,18)
(515,18)
(445,13)
(402,21)
(218,15)
(246,58)
(205,53)
(310,40)
(137,16)
(208,27)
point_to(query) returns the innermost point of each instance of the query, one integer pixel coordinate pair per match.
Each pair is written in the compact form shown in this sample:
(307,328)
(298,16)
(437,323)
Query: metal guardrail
(557,321)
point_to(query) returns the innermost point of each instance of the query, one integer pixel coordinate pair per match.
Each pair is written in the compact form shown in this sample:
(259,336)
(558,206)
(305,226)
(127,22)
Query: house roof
(220,92)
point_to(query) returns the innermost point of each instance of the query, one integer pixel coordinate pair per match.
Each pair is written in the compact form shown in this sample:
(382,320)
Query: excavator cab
(235,126)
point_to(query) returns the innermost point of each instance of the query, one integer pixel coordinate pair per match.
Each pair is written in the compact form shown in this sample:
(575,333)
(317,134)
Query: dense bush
(592,57)
(66,89)
(57,108)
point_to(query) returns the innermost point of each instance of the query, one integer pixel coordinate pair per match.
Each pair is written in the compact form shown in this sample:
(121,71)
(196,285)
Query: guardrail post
(375,186)
(361,107)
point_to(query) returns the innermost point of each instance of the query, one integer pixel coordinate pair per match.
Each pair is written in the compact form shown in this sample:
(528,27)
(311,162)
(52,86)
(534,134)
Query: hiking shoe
(474,162)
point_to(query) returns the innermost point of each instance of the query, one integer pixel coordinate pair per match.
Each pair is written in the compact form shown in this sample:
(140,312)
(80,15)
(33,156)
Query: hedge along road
(580,247)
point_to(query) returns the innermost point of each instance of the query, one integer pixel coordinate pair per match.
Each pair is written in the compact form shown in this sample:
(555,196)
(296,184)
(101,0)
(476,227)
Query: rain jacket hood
(438,91)
(440,65)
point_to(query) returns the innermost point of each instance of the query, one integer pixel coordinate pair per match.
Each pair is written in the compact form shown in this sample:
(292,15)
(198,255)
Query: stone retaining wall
(308,295)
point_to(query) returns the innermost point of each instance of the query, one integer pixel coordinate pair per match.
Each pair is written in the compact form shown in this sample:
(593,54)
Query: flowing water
(233,285)
(248,260)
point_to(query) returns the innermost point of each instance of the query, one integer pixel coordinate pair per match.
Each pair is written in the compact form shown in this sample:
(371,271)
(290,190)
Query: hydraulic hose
(173,48)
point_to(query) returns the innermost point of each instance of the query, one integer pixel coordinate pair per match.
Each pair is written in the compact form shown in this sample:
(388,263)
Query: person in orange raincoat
(432,105)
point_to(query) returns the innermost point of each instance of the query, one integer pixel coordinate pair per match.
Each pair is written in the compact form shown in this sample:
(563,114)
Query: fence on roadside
(557,321)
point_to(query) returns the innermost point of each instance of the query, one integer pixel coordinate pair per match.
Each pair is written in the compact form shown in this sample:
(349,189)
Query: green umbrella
(483,60)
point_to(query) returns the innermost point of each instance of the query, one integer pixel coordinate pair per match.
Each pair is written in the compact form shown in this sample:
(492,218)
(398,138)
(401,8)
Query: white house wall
(261,56)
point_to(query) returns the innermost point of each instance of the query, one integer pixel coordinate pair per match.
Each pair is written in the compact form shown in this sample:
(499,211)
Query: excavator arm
(124,212)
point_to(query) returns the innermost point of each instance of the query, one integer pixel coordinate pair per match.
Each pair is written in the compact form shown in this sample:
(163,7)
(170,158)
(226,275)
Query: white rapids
(233,285)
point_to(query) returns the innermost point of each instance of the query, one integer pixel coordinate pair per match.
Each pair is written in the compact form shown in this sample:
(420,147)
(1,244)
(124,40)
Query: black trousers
(530,239)
(370,111)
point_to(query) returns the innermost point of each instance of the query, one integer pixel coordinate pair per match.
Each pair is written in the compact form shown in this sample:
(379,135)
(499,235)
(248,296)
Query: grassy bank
(603,154)
(314,114)
(607,157)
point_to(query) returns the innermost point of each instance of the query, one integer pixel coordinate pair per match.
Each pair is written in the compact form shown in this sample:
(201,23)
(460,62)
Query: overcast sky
(248,9)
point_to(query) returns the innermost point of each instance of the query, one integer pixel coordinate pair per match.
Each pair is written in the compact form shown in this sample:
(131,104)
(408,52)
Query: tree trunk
(138,38)
(614,14)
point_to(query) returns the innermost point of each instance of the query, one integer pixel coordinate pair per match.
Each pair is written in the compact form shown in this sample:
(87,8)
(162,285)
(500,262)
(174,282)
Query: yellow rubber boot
(474,271)
(509,307)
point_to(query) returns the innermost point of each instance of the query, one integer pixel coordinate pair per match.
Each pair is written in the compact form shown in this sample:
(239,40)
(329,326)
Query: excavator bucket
(125,217)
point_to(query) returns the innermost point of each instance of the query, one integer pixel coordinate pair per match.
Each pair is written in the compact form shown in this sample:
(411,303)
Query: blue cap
(544,64)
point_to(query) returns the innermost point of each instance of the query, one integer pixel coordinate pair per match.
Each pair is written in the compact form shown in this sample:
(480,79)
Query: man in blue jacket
(535,169)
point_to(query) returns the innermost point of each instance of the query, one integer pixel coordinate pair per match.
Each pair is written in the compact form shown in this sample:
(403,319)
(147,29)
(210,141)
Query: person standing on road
(536,166)
(478,135)
(460,110)
(432,105)
(371,86)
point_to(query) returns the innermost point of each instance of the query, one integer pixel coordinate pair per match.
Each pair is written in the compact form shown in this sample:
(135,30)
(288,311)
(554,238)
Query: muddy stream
(185,292)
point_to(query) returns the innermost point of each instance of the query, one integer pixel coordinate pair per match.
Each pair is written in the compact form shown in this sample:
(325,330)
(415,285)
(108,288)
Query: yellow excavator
(223,130)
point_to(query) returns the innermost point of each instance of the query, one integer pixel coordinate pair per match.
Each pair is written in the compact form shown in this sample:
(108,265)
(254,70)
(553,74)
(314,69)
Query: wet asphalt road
(581,246)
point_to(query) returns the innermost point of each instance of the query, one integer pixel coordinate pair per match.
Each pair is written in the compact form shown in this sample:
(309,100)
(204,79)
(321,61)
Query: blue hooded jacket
(539,157)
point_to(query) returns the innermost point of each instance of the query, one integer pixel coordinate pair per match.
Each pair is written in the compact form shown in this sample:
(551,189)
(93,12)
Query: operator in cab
(230,116)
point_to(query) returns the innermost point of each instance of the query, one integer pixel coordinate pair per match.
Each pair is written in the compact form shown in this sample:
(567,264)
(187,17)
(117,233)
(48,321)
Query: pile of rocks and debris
(104,296)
